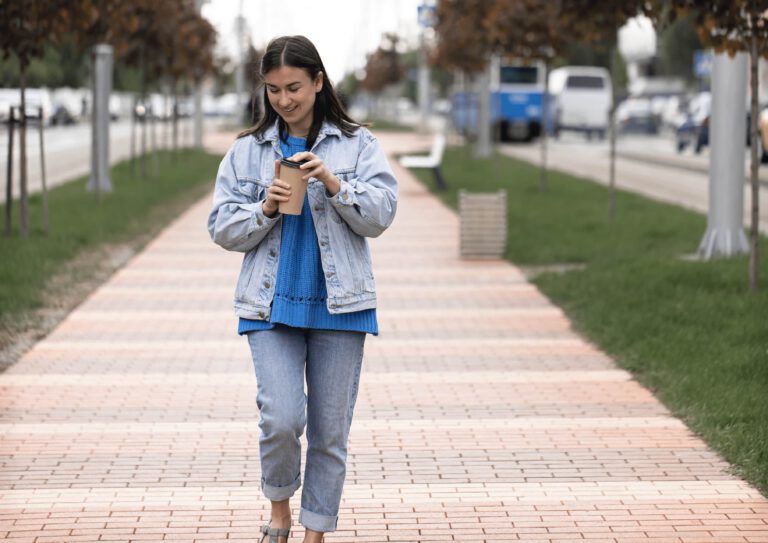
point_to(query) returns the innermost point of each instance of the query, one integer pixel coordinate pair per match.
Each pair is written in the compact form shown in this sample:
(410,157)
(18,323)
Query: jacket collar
(272,134)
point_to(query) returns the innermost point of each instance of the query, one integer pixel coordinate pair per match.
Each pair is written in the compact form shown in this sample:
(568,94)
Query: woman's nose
(283,101)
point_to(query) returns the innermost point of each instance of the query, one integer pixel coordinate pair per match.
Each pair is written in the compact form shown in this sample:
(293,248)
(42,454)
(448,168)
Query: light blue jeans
(331,361)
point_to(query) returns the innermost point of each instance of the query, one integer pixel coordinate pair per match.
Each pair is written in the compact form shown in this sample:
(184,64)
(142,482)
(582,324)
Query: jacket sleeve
(367,200)
(236,222)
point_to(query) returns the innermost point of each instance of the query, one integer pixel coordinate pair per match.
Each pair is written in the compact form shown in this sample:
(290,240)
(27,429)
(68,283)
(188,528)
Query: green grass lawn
(383,125)
(690,331)
(79,222)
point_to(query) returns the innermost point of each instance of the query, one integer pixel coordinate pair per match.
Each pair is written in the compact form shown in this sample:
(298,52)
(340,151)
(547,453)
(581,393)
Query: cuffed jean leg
(334,360)
(279,357)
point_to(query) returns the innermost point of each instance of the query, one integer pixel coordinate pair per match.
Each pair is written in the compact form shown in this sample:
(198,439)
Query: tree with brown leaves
(383,67)
(731,26)
(25,29)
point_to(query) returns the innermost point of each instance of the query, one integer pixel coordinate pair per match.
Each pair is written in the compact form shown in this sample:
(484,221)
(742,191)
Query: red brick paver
(481,415)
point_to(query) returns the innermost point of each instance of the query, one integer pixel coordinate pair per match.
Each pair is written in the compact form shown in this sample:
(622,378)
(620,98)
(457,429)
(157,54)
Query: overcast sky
(342,30)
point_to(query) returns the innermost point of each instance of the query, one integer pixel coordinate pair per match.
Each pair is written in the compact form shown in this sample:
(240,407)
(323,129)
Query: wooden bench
(431,161)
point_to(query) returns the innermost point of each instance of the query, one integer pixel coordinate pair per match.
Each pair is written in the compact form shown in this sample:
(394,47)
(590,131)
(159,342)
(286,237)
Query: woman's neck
(298,131)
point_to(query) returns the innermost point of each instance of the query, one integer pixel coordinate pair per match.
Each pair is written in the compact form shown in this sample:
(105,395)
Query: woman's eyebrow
(287,85)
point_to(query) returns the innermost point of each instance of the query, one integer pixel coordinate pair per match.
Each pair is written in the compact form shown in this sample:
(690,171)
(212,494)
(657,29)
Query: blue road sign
(426,15)
(702,63)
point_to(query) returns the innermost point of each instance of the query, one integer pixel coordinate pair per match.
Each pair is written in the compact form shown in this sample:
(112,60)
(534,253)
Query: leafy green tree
(677,44)
(61,65)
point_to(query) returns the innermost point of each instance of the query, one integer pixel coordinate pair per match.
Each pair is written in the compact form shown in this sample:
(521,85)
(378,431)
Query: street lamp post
(102,88)
(727,135)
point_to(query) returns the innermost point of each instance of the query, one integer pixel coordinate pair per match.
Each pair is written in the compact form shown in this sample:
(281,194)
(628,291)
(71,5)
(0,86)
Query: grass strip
(136,209)
(384,125)
(690,331)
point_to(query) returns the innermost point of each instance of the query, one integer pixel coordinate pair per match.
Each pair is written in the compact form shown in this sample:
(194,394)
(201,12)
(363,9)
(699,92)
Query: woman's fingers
(279,183)
(312,173)
(303,155)
(278,192)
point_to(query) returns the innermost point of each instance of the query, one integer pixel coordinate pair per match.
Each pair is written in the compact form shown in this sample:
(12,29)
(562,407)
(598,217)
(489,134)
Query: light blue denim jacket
(364,207)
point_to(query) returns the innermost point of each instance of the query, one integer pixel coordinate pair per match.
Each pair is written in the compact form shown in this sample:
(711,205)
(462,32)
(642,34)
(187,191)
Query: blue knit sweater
(300,291)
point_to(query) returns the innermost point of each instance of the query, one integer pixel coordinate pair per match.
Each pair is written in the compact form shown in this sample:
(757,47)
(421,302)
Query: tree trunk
(544,115)
(94,129)
(9,174)
(465,88)
(198,122)
(42,173)
(483,148)
(133,136)
(153,142)
(174,90)
(754,181)
(612,143)
(145,116)
(23,197)
(167,127)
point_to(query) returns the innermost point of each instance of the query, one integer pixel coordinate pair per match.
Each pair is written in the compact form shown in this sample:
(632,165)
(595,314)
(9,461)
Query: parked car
(34,99)
(61,116)
(582,99)
(636,115)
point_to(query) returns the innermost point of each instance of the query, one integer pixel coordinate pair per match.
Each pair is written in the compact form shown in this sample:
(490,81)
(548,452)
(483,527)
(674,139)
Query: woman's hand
(315,167)
(278,191)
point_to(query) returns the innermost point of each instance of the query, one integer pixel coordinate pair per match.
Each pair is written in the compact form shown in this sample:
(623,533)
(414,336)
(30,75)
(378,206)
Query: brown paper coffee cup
(291,174)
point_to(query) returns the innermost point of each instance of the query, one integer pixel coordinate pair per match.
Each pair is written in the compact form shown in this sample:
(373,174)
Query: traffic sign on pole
(427,15)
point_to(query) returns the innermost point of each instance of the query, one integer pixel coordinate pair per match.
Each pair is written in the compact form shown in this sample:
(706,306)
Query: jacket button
(272,252)
(323,244)
(261,314)
(333,306)
(318,208)
(259,221)
(266,284)
(329,275)
(344,196)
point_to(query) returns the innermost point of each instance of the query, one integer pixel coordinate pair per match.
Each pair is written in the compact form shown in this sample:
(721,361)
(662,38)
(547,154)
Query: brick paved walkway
(481,416)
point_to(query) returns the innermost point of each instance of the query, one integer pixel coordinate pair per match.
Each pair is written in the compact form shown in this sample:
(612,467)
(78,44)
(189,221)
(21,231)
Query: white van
(581,99)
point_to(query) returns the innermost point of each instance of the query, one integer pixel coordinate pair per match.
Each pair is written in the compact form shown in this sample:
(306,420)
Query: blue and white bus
(516,99)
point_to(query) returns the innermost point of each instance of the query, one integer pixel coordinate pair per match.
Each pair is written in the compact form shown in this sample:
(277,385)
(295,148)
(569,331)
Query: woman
(305,295)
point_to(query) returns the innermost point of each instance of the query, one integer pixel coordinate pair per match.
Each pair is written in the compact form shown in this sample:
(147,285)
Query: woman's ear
(319,81)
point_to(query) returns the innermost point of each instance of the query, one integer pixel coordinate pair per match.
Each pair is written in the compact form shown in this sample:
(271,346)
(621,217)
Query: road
(645,165)
(68,150)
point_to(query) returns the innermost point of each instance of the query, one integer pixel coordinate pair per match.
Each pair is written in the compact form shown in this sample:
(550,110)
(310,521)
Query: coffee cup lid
(291,163)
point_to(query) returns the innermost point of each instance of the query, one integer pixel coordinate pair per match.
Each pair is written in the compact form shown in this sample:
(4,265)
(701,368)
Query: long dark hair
(299,52)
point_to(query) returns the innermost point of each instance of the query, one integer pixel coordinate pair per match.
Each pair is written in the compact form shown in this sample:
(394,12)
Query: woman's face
(291,93)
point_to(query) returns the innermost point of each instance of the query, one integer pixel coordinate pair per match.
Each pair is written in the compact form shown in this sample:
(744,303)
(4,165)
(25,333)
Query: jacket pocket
(252,188)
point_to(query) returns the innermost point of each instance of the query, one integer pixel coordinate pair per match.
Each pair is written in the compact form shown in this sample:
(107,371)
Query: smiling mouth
(290,110)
